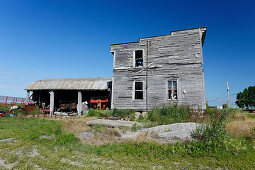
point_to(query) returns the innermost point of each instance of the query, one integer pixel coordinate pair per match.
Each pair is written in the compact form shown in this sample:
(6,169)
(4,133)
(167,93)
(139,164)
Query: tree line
(246,99)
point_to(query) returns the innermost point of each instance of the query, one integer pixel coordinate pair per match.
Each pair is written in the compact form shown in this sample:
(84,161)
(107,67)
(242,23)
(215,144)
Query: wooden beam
(79,107)
(51,102)
(27,97)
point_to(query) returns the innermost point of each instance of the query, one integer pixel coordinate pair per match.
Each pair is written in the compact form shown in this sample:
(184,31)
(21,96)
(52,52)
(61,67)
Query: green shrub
(169,114)
(98,129)
(63,138)
(124,113)
(224,106)
(36,112)
(99,113)
(213,134)
(134,127)
(20,112)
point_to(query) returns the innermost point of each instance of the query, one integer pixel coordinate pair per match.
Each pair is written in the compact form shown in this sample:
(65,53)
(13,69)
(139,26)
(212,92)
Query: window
(138,90)
(138,58)
(172,90)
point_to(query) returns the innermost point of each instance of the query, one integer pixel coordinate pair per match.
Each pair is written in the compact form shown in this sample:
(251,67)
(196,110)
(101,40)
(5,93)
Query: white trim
(133,90)
(201,51)
(178,89)
(122,68)
(137,49)
(112,93)
(113,65)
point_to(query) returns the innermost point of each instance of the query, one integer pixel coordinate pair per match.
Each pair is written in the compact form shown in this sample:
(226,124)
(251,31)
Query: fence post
(5,102)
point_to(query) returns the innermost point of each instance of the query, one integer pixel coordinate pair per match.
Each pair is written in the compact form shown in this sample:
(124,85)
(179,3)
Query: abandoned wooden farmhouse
(153,71)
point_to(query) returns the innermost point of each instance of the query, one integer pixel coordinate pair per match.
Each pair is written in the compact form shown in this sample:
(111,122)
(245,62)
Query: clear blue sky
(70,38)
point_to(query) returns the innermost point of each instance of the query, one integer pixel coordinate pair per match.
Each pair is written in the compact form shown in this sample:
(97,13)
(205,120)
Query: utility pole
(228,94)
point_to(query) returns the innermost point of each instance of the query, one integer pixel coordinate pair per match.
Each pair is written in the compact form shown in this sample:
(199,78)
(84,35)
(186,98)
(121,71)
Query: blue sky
(70,38)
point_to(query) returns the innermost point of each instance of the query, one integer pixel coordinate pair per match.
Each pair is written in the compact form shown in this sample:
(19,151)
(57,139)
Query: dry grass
(77,126)
(147,137)
(102,135)
(241,128)
(238,116)
(101,139)
(72,124)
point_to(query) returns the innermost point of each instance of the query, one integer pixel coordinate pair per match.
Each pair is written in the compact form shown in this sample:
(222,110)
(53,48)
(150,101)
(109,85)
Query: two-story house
(160,70)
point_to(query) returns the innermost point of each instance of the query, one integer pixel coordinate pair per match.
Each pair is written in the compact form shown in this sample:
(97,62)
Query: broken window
(138,90)
(172,90)
(138,58)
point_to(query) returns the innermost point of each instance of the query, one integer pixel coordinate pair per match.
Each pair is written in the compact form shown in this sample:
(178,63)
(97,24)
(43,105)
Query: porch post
(79,107)
(51,102)
(27,97)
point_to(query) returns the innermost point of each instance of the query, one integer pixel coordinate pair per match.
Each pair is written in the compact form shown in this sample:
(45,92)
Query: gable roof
(93,83)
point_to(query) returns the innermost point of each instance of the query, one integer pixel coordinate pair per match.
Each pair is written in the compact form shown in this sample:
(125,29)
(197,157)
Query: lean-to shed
(72,91)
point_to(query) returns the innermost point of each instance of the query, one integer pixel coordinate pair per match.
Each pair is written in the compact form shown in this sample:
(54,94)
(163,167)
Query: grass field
(32,143)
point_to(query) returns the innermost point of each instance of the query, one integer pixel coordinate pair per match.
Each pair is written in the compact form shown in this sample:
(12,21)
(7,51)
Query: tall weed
(99,113)
(213,134)
(169,114)
(124,113)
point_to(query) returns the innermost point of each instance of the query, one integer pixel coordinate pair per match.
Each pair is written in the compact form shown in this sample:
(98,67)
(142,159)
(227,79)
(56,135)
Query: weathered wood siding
(174,56)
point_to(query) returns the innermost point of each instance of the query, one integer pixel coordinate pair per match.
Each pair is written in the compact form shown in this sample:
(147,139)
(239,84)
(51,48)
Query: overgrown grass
(99,113)
(121,113)
(168,115)
(32,129)
(213,134)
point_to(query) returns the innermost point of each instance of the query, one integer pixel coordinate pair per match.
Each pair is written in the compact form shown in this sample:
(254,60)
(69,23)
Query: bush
(224,106)
(213,134)
(124,113)
(63,138)
(169,114)
(99,113)
(20,112)
(98,129)
(214,130)
(36,112)
(134,127)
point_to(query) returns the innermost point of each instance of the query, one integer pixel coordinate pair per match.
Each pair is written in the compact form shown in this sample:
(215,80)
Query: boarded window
(138,58)
(138,90)
(172,90)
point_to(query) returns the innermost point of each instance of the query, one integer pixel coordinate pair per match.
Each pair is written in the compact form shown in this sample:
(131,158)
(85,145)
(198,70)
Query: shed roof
(93,83)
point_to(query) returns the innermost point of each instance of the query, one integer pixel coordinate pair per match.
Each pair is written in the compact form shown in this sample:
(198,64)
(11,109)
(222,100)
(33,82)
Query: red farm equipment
(99,102)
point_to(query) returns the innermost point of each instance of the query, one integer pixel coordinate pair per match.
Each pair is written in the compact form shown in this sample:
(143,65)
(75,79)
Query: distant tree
(224,106)
(246,99)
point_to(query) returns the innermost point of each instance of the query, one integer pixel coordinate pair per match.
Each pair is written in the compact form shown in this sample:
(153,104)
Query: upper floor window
(138,58)
(138,90)
(172,90)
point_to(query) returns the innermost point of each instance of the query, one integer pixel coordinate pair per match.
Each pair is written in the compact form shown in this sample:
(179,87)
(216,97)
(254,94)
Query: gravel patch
(46,137)
(113,123)
(6,165)
(7,140)
(168,133)
(34,152)
(85,135)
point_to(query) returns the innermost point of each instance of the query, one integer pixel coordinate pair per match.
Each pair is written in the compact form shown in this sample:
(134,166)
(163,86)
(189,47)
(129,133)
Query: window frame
(134,90)
(167,90)
(134,59)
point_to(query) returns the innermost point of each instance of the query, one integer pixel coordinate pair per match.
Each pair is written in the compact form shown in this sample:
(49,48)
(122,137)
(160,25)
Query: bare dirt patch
(6,165)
